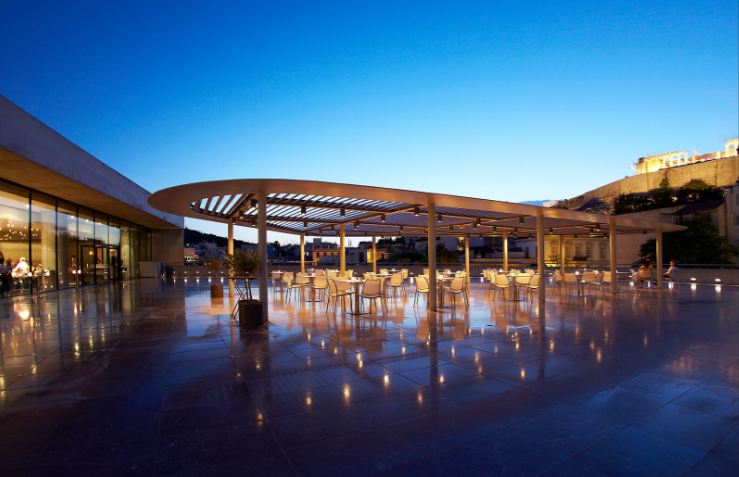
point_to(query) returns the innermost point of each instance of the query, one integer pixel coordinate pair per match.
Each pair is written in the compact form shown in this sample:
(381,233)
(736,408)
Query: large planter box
(251,313)
(216,291)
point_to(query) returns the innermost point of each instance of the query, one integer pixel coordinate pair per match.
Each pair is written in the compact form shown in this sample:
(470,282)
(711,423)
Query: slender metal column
(505,251)
(432,256)
(374,255)
(262,237)
(302,253)
(614,274)
(230,252)
(342,256)
(659,258)
(540,256)
(562,258)
(467,259)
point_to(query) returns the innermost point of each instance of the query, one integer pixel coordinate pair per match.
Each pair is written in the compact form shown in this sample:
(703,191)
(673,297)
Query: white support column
(230,252)
(614,275)
(432,256)
(562,257)
(467,259)
(302,253)
(659,258)
(262,239)
(505,251)
(540,256)
(342,251)
(374,255)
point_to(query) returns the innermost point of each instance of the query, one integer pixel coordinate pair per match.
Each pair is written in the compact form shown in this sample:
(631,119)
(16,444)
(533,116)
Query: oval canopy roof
(318,208)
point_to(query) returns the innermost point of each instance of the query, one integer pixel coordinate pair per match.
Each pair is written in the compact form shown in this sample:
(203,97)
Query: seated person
(673,272)
(645,273)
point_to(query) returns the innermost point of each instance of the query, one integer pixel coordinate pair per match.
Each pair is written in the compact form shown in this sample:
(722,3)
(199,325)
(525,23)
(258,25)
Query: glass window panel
(86,245)
(114,231)
(66,240)
(134,232)
(101,228)
(43,239)
(14,210)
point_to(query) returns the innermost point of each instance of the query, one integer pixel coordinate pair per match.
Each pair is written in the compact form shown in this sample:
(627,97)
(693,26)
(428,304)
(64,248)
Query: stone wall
(719,173)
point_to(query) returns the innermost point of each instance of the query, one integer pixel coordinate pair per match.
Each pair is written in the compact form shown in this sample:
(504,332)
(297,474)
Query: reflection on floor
(151,377)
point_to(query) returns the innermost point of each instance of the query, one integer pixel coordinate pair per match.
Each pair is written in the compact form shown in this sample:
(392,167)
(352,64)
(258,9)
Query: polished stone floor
(151,377)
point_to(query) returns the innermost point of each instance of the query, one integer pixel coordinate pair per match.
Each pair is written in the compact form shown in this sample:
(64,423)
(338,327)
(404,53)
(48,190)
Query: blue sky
(510,101)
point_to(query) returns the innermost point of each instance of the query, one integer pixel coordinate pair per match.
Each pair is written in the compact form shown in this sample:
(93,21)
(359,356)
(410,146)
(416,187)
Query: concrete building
(61,209)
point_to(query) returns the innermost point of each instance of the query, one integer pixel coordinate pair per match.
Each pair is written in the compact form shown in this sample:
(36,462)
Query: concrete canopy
(317,208)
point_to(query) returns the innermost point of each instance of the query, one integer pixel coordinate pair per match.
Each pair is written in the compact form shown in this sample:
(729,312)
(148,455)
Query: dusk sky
(510,101)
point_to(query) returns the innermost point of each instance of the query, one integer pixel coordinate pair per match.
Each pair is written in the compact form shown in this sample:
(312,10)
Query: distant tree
(700,243)
(663,197)
(697,191)
(443,255)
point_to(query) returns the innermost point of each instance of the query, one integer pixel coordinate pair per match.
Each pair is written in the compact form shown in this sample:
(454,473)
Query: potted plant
(243,265)
(214,264)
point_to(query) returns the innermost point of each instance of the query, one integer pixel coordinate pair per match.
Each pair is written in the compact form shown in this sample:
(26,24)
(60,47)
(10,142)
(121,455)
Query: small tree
(244,264)
(700,243)
(213,263)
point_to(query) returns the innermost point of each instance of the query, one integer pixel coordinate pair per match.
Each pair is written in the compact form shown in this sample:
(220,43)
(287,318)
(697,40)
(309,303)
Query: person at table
(673,271)
(645,273)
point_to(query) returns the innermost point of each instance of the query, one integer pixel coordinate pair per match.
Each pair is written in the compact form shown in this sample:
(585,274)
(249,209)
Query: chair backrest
(396,279)
(502,281)
(570,278)
(457,284)
(588,277)
(383,271)
(426,271)
(404,271)
(371,288)
(422,284)
(530,271)
(523,279)
(535,280)
(599,278)
(287,279)
(289,274)
(311,271)
(332,290)
(331,274)
(606,277)
(302,279)
(276,275)
(320,272)
(349,273)
(367,276)
(320,281)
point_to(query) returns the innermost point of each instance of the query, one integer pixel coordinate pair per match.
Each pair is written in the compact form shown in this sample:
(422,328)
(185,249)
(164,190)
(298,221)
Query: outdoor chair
(383,271)
(426,271)
(558,280)
(288,283)
(456,287)
(320,283)
(570,281)
(502,284)
(522,281)
(349,273)
(275,278)
(422,286)
(532,285)
(396,281)
(338,290)
(605,281)
(367,276)
(372,290)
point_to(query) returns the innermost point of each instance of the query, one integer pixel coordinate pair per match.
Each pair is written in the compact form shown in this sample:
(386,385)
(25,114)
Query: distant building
(672,159)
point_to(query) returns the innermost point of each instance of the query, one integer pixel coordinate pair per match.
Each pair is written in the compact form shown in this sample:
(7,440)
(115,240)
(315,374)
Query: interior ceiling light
(382,218)
(495,228)
(551,231)
(574,236)
(438,218)
(597,227)
(645,233)
(480,235)
(305,225)
(356,225)
(342,212)
(254,203)
(474,226)
(416,211)
(451,228)
(303,209)
(400,229)
(520,220)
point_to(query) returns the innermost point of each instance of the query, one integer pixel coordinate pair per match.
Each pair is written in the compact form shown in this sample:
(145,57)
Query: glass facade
(54,237)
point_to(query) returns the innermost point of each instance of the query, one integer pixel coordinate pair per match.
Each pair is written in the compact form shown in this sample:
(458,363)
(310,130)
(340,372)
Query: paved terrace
(151,378)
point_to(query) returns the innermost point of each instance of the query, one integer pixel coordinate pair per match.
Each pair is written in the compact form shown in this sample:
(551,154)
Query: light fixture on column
(342,212)
(241,212)
(474,226)
(574,236)
(520,220)
(400,229)
(597,227)
(438,218)
(451,228)
(645,233)
(356,225)
(254,203)
(303,209)
(551,231)
(253,222)
(382,218)
(480,235)
(416,211)
(495,229)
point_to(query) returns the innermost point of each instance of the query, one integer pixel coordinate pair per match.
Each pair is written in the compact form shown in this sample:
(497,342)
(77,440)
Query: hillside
(193,237)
